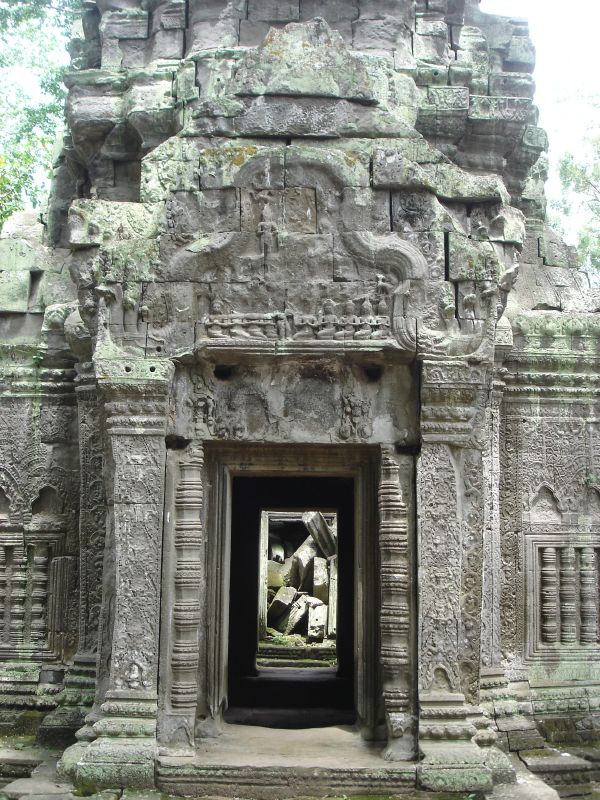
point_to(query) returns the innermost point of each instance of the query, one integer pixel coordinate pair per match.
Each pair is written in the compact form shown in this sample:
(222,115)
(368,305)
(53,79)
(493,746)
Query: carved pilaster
(450,503)
(491,594)
(38,482)
(394,620)
(135,395)
(75,702)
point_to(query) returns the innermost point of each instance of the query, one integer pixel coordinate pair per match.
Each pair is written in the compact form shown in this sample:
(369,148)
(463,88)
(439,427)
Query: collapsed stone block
(317,619)
(320,531)
(320,579)
(280,606)
(302,562)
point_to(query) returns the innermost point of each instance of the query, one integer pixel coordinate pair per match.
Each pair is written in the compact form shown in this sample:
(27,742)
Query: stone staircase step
(568,774)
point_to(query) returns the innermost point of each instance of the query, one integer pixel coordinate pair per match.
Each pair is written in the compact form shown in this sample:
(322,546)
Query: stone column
(394,623)
(183,608)
(450,505)
(492,557)
(135,393)
(80,684)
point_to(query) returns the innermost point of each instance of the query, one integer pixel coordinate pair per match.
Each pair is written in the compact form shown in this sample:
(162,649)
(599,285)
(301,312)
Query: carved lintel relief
(395,612)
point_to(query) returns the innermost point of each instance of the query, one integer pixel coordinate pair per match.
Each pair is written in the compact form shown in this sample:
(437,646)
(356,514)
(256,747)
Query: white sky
(565,35)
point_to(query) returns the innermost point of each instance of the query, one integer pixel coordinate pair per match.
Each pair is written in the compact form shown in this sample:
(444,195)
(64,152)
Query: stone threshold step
(175,776)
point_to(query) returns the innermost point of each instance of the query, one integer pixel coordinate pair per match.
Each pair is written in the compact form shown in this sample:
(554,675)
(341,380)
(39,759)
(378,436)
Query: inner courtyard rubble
(299,418)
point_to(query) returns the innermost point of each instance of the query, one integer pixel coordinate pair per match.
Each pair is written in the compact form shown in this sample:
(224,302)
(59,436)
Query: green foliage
(33,35)
(14,13)
(580,179)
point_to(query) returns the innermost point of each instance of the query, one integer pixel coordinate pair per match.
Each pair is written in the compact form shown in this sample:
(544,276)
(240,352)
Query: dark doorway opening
(287,696)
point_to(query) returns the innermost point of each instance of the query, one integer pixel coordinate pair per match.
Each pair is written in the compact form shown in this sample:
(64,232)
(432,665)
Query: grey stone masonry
(307,242)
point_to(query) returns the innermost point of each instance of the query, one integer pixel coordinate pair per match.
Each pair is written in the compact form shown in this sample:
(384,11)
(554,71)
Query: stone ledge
(271,783)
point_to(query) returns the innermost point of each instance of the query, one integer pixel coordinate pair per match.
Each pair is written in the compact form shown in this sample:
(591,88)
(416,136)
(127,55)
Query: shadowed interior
(287,697)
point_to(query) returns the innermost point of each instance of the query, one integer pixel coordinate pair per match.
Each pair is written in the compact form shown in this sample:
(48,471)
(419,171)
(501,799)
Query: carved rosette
(394,620)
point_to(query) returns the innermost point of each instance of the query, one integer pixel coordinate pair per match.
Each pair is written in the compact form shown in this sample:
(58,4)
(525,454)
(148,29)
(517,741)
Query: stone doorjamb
(227,460)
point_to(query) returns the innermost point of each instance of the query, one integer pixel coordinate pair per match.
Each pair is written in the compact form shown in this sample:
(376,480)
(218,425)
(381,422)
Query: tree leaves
(580,180)
(33,37)
(14,13)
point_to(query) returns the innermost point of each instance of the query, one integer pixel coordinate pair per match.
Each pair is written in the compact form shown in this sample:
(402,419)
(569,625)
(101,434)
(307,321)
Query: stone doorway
(245,480)
(284,670)
(220,491)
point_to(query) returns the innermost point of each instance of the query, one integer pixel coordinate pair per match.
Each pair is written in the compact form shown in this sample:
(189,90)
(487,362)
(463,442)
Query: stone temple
(300,419)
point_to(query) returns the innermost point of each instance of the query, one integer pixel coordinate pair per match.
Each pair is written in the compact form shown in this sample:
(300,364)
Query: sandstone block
(273,10)
(218,9)
(253,33)
(320,532)
(205,35)
(385,33)
(302,562)
(299,210)
(126,24)
(333,598)
(242,164)
(317,620)
(14,291)
(512,84)
(280,605)
(320,579)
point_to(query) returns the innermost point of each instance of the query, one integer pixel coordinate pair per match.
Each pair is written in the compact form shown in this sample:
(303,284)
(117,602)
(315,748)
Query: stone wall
(277,226)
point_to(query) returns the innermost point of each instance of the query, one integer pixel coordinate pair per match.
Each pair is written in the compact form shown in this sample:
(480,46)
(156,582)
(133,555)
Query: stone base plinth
(74,703)
(453,767)
(124,752)
(26,695)
(269,763)
(271,782)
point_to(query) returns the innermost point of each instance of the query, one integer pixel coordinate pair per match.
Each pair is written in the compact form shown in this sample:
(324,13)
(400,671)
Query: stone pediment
(306,60)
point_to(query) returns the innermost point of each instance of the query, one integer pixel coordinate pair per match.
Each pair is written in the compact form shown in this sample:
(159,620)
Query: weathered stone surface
(281,605)
(302,561)
(317,621)
(320,579)
(312,246)
(321,532)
